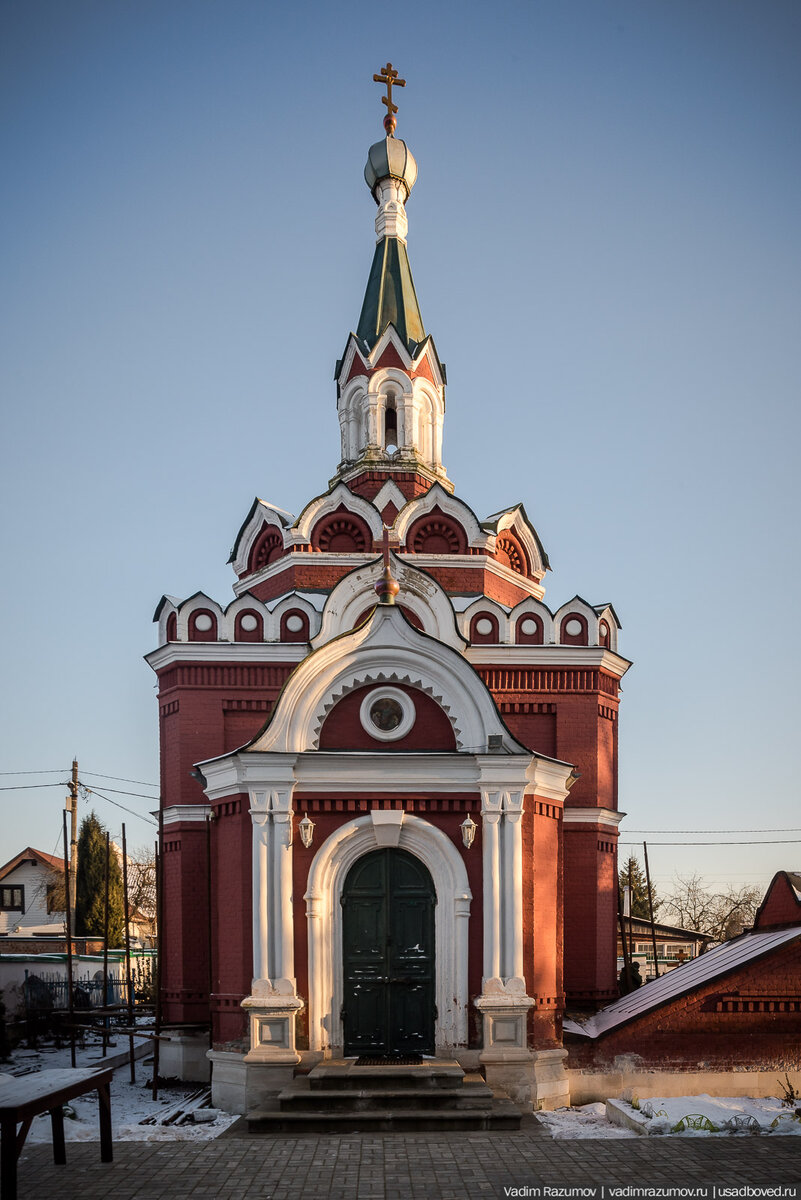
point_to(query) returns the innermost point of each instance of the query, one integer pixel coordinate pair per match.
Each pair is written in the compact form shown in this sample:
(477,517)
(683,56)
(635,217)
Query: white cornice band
(594,816)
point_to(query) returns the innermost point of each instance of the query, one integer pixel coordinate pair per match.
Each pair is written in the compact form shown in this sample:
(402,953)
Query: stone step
(343,1074)
(299,1096)
(503,1115)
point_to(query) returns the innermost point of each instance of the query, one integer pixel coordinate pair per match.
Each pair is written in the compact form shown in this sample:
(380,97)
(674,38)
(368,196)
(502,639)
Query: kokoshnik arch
(400,763)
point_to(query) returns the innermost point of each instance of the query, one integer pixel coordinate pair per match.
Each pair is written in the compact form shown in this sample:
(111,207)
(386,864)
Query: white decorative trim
(594,816)
(339,496)
(607,614)
(483,604)
(532,608)
(176,814)
(434,774)
(387,823)
(391,219)
(390,493)
(367,362)
(548,657)
(293,560)
(437,497)
(168,606)
(577,605)
(326,880)
(226,620)
(362,774)
(523,530)
(194,604)
(477,561)
(263,514)
(293,601)
(224,652)
(386,649)
(406,705)
(421,594)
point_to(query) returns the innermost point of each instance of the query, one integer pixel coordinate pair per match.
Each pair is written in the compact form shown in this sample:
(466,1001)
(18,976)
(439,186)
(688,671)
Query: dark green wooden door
(388,955)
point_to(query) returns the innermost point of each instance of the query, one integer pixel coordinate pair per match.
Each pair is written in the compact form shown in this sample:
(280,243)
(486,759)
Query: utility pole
(72,809)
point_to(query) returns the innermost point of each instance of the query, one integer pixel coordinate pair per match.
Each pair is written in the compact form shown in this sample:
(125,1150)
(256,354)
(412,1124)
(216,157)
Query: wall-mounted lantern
(306,831)
(468,828)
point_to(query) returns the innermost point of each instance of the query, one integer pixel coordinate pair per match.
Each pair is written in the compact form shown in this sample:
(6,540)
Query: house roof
(45,860)
(688,935)
(682,980)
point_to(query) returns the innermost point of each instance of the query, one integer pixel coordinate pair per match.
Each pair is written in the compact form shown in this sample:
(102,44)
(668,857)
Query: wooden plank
(48,1091)
(57,1084)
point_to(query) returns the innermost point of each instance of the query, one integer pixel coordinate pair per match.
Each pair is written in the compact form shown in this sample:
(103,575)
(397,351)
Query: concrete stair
(339,1097)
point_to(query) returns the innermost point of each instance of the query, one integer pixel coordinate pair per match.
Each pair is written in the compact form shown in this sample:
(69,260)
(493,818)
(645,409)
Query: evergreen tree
(90,886)
(633,876)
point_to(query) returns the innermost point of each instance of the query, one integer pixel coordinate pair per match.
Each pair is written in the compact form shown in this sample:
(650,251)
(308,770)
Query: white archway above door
(324,915)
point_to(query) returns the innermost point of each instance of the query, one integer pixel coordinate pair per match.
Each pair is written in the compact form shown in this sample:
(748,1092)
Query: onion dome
(390,159)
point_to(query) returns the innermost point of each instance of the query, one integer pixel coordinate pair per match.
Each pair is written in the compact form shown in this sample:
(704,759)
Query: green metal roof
(390,298)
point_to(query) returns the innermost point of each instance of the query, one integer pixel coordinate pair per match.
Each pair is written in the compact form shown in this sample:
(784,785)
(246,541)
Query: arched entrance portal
(388,955)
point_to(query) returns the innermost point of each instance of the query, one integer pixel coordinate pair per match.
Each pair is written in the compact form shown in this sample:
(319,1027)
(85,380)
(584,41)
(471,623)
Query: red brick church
(399,763)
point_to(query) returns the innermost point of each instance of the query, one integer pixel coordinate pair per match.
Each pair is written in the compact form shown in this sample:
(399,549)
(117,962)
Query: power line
(121,779)
(767,842)
(55,771)
(790,829)
(21,787)
(94,792)
(120,792)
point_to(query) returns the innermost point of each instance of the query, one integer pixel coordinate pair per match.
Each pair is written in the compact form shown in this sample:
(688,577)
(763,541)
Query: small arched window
(269,546)
(295,626)
(202,626)
(484,629)
(249,626)
(390,425)
(528,630)
(573,631)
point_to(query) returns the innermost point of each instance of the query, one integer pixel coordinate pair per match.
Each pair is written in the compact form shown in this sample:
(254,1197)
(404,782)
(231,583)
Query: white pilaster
(273,923)
(513,874)
(491,828)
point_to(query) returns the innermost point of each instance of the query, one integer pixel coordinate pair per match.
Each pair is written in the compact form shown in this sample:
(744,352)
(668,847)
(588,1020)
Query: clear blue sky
(605,241)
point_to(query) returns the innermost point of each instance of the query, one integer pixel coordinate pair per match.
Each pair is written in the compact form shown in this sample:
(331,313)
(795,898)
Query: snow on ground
(129,1102)
(589,1121)
(663,1113)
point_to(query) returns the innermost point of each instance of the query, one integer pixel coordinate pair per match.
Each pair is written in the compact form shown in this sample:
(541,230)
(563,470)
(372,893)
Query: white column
(400,421)
(372,417)
(284,965)
(490,836)
(436,448)
(513,877)
(261,830)
(273,918)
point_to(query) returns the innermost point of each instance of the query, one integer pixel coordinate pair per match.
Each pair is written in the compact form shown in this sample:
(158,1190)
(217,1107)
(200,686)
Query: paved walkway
(457,1166)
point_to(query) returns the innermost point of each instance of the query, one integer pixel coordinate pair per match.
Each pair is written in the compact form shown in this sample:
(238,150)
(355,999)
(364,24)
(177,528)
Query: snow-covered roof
(682,980)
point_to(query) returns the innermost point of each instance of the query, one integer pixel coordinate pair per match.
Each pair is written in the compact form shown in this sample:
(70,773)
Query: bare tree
(720,915)
(142,882)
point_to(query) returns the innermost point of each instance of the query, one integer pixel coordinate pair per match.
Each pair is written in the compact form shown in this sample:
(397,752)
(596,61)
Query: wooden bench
(23,1099)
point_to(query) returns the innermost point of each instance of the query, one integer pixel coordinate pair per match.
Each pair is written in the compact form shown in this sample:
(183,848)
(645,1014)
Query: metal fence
(47,992)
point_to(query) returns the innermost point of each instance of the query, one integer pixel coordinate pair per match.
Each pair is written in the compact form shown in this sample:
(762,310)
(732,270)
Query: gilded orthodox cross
(387,587)
(386,544)
(389,77)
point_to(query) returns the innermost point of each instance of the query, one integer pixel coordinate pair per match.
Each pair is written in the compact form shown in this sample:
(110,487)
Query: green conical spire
(390,298)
